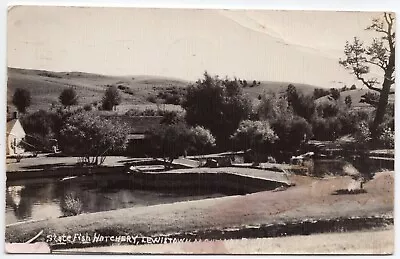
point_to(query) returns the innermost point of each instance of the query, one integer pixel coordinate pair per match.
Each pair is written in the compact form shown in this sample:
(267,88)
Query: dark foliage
(21,99)
(68,97)
(218,105)
(111,98)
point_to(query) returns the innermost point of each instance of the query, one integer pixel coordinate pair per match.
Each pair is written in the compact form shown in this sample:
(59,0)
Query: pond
(35,199)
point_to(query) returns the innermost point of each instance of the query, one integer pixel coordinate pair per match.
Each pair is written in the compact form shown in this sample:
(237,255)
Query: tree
(301,104)
(218,105)
(68,97)
(111,98)
(169,141)
(318,92)
(381,55)
(202,139)
(335,93)
(21,99)
(255,135)
(91,137)
(371,98)
(171,117)
(40,130)
(353,87)
(348,101)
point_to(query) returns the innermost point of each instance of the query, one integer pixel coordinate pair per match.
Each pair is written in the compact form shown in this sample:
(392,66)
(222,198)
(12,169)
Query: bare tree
(380,53)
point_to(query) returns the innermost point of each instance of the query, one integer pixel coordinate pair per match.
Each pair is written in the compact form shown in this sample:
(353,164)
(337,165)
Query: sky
(286,46)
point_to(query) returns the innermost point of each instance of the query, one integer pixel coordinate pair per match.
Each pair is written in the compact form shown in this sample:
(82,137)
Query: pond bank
(310,200)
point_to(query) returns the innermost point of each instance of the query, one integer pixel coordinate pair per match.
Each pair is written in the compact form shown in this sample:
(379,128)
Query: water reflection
(35,199)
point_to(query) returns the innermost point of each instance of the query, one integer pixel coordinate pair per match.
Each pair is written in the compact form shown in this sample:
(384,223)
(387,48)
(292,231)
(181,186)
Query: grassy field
(355,97)
(46,86)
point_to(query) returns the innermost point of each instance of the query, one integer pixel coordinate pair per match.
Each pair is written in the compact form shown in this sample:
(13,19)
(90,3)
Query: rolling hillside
(46,86)
(355,97)
(276,87)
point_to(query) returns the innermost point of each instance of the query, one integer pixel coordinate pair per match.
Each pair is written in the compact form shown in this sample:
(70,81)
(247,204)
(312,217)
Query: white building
(15,134)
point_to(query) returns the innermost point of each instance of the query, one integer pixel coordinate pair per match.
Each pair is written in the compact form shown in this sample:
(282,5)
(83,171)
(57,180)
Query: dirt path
(360,242)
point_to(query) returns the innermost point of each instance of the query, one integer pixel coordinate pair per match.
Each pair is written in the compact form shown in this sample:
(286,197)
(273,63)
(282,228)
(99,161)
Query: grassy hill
(268,87)
(355,97)
(46,86)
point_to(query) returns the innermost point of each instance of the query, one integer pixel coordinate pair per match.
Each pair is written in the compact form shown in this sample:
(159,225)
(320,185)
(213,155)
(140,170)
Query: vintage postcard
(199,131)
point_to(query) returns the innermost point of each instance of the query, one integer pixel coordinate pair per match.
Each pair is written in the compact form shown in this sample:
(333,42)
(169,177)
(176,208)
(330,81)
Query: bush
(326,128)
(173,99)
(318,93)
(169,142)
(255,135)
(21,99)
(68,97)
(88,107)
(386,138)
(111,98)
(218,105)
(92,137)
(327,109)
(301,104)
(348,101)
(152,99)
(202,141)
(40,128)
(293,133)
(335,93)
(171,117)
(363,135)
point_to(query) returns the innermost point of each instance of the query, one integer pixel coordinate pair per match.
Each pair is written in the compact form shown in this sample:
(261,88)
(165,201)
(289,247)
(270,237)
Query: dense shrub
(318,93)
(169,141)
(255,135)
(335,93)
(329,128)
(218,105)
(386,138)
(302,105)
(172,117)
(348,101)
(21,99)
(363,135)
(88,107)
(68,97)
(151,98)
(292,133)
(172,95)
(327,109)
(40,129)
(111,98)
(92,137)
(202,141)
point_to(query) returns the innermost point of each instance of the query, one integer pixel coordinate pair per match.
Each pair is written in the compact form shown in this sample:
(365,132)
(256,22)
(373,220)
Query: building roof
(10,124)
(136,124)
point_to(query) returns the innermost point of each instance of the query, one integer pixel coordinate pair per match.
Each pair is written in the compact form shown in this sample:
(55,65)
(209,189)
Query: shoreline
(311,200)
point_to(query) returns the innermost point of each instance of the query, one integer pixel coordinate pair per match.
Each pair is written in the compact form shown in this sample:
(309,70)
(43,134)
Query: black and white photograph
(199,131)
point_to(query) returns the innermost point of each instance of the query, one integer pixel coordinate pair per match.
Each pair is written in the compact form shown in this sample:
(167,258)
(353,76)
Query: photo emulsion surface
(191,131)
